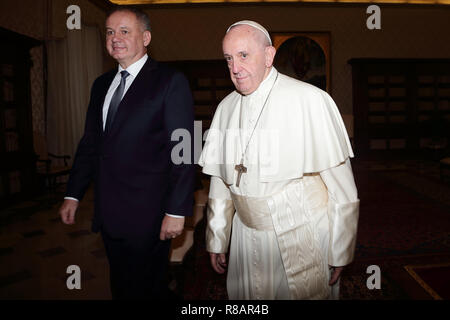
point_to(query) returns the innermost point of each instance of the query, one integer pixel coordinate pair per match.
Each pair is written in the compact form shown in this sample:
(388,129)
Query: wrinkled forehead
(243,36)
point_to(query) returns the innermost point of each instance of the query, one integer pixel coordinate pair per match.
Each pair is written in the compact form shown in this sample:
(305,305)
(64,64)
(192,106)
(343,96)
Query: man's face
(126,40)
(248,59)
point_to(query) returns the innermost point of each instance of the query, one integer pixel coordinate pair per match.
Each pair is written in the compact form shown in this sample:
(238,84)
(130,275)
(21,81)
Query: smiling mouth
(241,78)
(118,48)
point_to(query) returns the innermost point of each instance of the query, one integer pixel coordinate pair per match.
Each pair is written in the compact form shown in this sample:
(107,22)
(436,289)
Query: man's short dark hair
(141,16)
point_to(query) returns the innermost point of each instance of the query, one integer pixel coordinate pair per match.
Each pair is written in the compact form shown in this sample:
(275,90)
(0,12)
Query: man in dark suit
(141,194)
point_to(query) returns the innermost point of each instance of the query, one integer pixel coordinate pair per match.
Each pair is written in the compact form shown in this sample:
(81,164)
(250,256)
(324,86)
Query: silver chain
(257,120)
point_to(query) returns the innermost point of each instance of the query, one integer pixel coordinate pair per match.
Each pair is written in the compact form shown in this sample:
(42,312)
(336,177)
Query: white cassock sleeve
(220,214)
(343,213)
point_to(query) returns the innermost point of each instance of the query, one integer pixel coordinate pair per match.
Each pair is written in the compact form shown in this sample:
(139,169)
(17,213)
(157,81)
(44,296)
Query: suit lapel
(103,91)
(131,98)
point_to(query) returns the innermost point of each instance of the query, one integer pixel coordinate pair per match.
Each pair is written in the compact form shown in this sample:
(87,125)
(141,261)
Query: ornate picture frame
(305,56)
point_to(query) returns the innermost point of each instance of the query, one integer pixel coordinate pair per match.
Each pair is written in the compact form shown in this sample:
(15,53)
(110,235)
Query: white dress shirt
(133,70)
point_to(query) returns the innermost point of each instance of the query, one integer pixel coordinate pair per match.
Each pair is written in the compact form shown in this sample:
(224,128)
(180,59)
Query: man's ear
(147,38)
(270,52)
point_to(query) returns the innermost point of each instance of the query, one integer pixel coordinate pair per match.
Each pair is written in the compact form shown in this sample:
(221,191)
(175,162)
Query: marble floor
(36,250)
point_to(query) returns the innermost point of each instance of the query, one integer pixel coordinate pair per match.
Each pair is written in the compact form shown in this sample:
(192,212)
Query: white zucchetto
(254,25)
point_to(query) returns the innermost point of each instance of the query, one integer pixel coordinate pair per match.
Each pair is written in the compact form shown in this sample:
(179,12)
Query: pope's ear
(147,38)
(270,55)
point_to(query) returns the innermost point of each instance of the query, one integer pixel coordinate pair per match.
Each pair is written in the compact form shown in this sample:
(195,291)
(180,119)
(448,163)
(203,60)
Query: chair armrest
(64,157)
(47,162)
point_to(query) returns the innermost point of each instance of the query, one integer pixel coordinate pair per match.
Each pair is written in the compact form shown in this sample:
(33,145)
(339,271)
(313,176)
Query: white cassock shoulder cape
(300,131)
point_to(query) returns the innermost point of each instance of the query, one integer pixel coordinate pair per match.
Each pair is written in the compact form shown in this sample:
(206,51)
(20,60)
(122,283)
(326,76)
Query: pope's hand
(67,211)
(171,227)
(336,273)
(218,262)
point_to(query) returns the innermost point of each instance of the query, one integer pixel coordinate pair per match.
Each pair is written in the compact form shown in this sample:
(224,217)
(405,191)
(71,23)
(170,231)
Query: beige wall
(90,15)
(195,32)
(407,32)
(30,17)
(23,16)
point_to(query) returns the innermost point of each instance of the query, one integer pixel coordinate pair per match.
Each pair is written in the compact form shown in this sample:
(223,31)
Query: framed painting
(305,56)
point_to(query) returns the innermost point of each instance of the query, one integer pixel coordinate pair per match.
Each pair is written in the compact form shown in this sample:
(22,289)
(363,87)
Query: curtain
(73,65)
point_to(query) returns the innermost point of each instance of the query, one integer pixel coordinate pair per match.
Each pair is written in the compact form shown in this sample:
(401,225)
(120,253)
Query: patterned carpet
(433,278)
(402,213)
(200,281)
(404,220)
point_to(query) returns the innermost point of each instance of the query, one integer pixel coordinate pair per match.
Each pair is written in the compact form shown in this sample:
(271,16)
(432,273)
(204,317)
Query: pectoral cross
(240,169)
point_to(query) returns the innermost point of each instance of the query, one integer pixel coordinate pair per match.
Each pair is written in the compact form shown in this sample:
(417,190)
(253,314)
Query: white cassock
(295,211)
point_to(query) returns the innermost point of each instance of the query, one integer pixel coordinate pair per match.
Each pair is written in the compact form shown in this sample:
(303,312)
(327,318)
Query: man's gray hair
(141,16)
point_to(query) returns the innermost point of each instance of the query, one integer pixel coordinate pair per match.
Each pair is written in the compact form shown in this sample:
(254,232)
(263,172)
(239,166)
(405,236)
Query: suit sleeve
(179,123)
(84,165)
(343,213)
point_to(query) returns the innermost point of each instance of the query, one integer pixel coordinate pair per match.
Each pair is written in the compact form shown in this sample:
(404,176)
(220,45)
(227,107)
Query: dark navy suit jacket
(136,182)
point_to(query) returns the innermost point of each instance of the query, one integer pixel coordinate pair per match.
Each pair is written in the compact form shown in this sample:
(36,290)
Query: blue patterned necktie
(115,101)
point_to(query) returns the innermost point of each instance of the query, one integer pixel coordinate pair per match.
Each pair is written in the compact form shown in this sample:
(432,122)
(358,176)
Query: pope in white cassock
(282,185)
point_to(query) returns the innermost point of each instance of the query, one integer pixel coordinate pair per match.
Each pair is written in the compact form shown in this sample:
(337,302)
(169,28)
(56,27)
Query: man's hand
(336,273)
(171,227)
(67,211)
(218,262)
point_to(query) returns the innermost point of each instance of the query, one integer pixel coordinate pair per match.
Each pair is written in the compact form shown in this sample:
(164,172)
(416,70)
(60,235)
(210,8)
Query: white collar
(264,85)
(136,66)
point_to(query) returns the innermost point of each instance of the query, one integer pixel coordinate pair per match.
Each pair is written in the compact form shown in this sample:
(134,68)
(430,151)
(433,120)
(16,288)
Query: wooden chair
(49,166)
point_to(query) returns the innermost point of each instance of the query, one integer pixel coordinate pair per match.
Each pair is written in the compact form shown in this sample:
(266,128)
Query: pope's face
(126,40)
(248,59)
